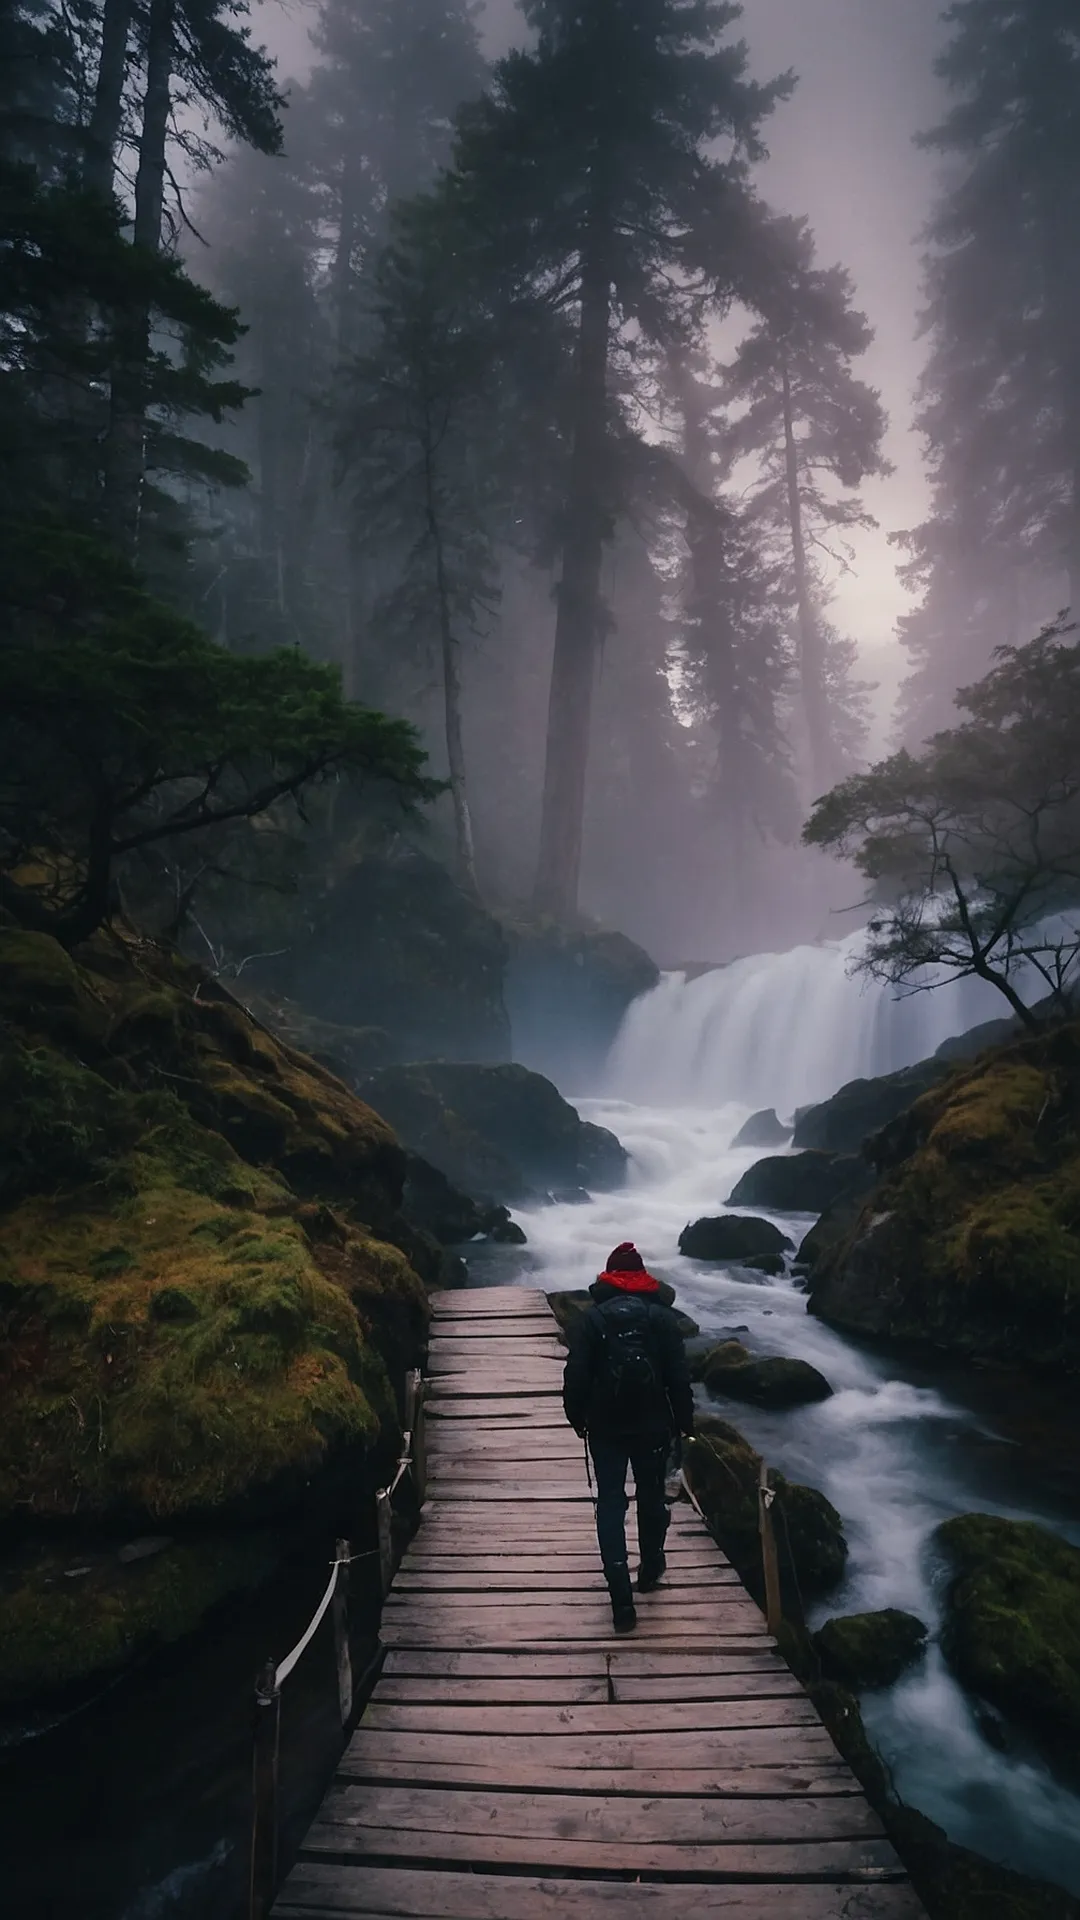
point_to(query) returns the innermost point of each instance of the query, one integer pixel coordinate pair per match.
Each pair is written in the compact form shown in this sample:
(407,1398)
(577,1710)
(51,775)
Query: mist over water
(893,1452)
(782,1030)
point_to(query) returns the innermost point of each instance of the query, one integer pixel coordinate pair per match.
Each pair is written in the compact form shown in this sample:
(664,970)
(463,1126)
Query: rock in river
(723,1469)
(870,1649)
(1012,1620)
(731,1237)
(774,1382)
(802,1182)
(763,1130)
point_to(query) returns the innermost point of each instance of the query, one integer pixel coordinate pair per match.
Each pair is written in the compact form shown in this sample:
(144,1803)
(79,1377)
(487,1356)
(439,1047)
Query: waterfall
(781,1030)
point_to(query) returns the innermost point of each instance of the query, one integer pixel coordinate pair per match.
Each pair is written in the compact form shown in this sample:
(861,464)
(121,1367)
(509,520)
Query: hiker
(626,1391)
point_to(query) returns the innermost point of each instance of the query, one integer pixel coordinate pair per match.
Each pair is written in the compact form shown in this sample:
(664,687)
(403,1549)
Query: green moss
(870,1649)
(63,1620)
(1012,1628)
(973,1238)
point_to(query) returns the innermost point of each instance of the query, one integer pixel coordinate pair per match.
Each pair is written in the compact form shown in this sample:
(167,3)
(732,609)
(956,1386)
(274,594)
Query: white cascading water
(782,1030)
(892,1452)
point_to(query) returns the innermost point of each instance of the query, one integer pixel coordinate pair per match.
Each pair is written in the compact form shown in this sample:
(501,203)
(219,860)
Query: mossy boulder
(200,1319)
(723,1471)
(499,1132)
(801,1182)
(88,1611)
(870,1649)
(971,1239)
(763,1130)
(739,1241)
(775,1382)
(1012,1620)
(567,991)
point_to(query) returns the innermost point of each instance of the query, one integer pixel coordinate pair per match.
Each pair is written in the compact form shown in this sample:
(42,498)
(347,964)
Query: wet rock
(802,1182)
(1012,1620)
(834,1225)
(498,1132)
(773,1382)
(870,1649)
(842,1123)
(570,1197)
(144,1549)
(731,1237)
(431,1203)
(763,1130)
(722,1468)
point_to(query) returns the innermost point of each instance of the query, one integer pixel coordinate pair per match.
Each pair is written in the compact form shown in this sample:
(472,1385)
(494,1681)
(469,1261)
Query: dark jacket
(583,1377)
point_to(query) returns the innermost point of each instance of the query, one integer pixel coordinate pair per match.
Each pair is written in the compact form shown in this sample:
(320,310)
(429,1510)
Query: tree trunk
(709,605)
(577,626)
(103,133)
(126,453)
(451,665)
(811,660)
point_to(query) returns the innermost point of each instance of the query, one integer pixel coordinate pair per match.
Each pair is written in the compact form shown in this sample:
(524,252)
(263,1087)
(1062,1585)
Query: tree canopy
(972,847)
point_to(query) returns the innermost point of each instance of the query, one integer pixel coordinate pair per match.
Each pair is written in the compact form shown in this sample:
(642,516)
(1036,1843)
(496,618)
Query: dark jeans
(611,1454)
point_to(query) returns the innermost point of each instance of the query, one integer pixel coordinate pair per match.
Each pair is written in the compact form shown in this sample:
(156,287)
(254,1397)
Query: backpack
(630,1378)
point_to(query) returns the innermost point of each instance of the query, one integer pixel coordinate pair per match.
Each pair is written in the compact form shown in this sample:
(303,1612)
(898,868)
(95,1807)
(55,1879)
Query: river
(895,1451)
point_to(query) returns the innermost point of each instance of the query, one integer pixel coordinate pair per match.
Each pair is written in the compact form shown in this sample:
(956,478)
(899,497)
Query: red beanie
(625,1259)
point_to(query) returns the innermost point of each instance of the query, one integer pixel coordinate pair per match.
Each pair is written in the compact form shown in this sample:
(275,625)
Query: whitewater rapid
(893,1454)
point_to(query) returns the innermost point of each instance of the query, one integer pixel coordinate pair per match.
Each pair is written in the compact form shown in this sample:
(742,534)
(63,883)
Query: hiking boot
(623,1613)
(650,1573)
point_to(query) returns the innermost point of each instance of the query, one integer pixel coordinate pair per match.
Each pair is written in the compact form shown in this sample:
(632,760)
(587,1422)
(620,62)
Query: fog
(711,730)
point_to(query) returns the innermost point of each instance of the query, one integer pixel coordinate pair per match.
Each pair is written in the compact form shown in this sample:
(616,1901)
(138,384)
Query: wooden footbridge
(516,1759)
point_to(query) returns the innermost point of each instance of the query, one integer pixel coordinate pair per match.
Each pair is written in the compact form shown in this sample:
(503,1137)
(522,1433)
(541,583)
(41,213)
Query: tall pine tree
(1001,394)
(816,431)
(608,169)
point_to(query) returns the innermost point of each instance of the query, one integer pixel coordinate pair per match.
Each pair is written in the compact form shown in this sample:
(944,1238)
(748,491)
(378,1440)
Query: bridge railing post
(339,1607)
(264,1817)
(769,1558)
(415,1425)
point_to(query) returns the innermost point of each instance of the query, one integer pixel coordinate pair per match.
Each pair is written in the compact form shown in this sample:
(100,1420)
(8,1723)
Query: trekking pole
(588,1470)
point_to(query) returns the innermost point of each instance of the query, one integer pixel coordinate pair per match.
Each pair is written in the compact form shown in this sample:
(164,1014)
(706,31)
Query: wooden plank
(728,1747)
(467,1387)
(853,1860)
(588,1599)
(396,1893)
(444,1691)
(818,1779)
(640,1823)
(689,1717)
(688,1570)
(497,1632)
(625,1661)
(703,1607)
(556,1579)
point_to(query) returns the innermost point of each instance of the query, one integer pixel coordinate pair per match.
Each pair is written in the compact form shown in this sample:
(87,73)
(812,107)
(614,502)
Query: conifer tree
(1001,394)
(608,169)
(816,430)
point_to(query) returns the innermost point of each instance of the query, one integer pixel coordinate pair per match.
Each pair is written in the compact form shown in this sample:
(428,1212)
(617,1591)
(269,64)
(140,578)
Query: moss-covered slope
(972,1238)
(198,1313)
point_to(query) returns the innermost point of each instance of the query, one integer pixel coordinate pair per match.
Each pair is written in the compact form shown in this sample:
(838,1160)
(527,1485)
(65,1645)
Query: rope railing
(272,1677)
